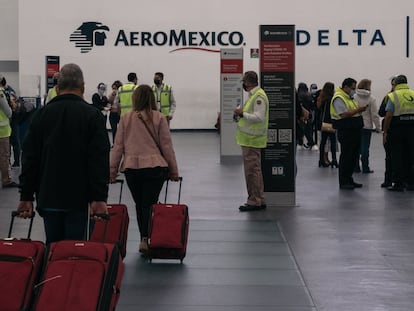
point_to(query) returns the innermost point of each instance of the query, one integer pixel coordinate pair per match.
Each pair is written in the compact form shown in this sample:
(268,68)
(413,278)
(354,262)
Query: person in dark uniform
(399,130)
(347,120)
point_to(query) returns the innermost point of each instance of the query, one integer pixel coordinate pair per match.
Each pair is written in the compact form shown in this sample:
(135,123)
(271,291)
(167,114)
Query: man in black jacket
(65,162)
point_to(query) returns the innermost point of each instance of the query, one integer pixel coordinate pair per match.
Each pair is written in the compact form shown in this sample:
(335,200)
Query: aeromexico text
(322,37)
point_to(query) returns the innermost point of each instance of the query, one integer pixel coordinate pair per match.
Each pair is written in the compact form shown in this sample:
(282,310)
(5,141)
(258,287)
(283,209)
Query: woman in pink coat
(143,150)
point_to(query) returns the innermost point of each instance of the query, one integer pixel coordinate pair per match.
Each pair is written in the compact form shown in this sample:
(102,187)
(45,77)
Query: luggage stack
(86,275)
(20,266)
(69,275)
(168,229)
(80,275)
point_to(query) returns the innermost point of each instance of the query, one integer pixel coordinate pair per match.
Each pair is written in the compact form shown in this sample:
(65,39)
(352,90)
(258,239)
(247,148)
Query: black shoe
(11,185)
(248,208)
(347,187)
(396,187)
(386,184)
(323,164)
(334,163)
(367,171)
(410,187)
(357,185)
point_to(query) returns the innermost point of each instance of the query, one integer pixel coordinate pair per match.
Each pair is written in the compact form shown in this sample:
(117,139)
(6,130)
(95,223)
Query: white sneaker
(315,148)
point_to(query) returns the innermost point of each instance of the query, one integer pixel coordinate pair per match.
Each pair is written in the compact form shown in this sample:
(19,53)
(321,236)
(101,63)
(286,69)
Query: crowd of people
(60,159)
(349,115)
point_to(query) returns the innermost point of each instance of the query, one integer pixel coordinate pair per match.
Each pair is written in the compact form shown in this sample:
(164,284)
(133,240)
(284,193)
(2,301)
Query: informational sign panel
(52,66)
(231,96)
(277,77)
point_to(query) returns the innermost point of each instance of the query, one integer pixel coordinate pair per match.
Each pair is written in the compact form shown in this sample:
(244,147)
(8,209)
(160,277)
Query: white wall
(9,51)
(45,27)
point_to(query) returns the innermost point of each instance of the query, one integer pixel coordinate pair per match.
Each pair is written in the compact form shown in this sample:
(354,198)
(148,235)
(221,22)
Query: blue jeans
(65,225)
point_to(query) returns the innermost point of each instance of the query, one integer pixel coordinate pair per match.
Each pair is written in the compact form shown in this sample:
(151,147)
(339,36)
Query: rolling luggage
(81,276)
(20,264)
(168,229)
(117,231)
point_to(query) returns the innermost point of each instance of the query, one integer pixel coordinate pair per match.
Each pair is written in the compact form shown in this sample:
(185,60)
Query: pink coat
(136,148)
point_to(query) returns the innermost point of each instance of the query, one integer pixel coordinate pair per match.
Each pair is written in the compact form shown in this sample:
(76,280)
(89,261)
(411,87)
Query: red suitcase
(81,276)
(117,231)
(20,264)
(168,229)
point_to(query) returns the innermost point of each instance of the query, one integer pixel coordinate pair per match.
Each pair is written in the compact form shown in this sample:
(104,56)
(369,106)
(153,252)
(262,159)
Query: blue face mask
(352,93)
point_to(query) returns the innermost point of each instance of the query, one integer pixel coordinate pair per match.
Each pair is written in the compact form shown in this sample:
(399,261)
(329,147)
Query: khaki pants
(253,174)
(5,160)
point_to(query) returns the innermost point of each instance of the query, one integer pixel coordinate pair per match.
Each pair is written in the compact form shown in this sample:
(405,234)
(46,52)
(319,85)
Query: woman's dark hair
(117,84)
(326,94)
(143,98)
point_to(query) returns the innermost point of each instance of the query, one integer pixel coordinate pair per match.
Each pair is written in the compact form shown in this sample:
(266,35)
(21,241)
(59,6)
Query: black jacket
(65,159)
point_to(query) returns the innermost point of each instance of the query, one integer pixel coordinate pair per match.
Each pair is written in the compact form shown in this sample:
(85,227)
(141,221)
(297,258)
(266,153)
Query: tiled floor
(336,250)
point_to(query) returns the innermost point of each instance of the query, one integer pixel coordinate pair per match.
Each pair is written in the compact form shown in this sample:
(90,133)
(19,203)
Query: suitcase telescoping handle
(15,214)
(104,217)
(179,190)
(121,181)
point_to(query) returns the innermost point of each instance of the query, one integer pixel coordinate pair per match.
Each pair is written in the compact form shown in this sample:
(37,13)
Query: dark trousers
(65,225)
(324,139)
(15,139)
(350,140)
(402,154)
(113,121)
(145,186)
(364,148)
(388,162)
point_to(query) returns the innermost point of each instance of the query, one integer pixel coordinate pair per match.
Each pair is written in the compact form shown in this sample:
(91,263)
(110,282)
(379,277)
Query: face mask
(244,87)
(157,81)
(101,91)
(352,93)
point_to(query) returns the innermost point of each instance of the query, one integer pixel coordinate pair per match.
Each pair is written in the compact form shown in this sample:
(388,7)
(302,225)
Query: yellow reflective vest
(5,129)
(403,100)
(349,103)
(164,99)
(250,134)
(125,97)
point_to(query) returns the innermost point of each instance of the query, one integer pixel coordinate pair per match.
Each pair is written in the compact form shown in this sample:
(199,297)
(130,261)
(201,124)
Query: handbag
(326,126)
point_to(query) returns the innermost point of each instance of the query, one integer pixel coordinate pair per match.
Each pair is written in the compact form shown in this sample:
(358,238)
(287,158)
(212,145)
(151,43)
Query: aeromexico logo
(91,34)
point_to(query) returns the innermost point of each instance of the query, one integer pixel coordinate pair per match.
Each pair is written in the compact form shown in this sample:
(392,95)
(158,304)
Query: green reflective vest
(403,100)
(125,97)
(253,134)
(5,129)
(163,101)
(349,103)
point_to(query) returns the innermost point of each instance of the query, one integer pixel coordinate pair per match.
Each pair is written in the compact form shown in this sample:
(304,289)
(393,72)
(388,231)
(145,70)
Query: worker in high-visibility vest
(399,132)
(347,120)
(163,96)
(125,93)
(251,135)
(52,93)
(5,132)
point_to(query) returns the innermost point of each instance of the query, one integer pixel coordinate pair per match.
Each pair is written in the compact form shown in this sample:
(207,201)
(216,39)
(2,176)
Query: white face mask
(352,93)
(101,91)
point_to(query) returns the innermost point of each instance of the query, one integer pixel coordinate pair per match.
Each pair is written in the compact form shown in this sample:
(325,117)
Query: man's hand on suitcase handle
(25,209)
(98,208)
